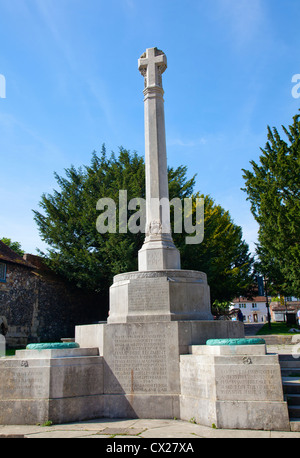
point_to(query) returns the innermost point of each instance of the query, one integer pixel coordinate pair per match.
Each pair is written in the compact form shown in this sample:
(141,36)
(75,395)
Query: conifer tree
(273,188)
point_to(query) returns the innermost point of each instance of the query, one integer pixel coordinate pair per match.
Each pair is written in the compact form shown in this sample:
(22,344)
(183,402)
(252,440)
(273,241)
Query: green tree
(223,255)
(68,225)
(91,259)
(15,246)
(273,188)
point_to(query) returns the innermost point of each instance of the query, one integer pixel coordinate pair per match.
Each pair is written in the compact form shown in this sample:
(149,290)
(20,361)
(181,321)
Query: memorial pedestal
(233,387)
(142,362)
(163,295)
(58,385)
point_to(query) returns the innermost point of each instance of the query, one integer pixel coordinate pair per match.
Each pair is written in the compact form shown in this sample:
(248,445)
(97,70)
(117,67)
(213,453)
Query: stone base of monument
(53,384)
(158,252)
(163,295)
(142,362)
(146,370)
(233,387)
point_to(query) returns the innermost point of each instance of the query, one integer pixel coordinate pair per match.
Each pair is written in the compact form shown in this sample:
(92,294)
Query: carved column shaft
(158,251)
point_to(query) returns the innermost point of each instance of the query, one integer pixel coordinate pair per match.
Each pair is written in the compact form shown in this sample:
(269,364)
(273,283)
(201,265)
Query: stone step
(291,385)
(290,363)
(284,358)
(294,412)
(280,339)
(57,353)
(295,425)
(290,371)
(229,350)
(293,399)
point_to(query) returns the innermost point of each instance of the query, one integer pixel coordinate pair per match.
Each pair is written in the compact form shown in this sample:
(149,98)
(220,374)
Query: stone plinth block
(141,362)
(233,387)
(57,385)
(129,370)
(158,255)
(228,350)
(164,295)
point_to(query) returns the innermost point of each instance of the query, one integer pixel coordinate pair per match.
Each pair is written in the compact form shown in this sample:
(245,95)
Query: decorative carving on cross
(152,64)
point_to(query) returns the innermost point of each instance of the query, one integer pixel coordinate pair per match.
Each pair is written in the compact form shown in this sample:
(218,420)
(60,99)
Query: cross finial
(152,64)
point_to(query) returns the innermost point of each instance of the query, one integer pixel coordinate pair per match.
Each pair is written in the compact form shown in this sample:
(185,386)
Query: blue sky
(72,84)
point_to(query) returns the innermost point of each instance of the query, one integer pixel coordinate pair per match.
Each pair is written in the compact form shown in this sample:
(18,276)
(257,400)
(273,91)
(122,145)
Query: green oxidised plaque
(235,342)
(52,346)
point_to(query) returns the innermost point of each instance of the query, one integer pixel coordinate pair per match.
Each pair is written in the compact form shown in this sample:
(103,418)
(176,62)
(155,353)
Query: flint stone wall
(40,306)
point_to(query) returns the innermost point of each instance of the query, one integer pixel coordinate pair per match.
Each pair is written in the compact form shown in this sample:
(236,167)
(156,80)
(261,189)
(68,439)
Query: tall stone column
(160,291)
(158,251)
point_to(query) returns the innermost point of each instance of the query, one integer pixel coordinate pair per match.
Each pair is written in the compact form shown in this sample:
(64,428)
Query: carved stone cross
(152,64)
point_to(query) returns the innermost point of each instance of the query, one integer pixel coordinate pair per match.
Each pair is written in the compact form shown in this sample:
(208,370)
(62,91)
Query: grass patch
(12,351)
(277,328)
(47,423)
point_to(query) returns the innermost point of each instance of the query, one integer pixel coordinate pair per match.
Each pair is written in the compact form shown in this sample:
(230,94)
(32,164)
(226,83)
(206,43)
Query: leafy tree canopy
(15,246)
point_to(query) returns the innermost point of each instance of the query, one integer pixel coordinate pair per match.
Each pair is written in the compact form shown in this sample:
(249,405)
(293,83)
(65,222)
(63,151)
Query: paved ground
(252,328)
(133,429)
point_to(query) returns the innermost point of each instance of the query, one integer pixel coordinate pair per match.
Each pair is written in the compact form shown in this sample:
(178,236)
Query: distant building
(285,311)
(254,310)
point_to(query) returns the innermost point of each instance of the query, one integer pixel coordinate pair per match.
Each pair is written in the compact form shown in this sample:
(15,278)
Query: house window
(254,306)
(2,272)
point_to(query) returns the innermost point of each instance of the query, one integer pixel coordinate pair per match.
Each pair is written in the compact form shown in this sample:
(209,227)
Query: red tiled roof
(8,255)
(253,299)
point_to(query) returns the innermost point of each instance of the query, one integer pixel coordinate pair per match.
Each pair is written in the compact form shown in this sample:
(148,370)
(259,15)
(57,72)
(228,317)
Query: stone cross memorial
(160,290)
(158,251)
(157,355)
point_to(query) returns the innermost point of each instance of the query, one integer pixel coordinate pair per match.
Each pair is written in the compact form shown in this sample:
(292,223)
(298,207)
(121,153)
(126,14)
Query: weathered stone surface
(91,335)
(60,385)
(37,304)
(141,362)
(230,350)
(165,295)
(158,251)
(233,389)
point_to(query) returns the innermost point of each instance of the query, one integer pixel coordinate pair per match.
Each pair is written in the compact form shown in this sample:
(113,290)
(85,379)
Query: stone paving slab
(135,429)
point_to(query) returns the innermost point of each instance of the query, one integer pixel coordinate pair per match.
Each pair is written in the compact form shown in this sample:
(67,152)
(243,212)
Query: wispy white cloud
(33,144)
(244,19)
(100,93)
(52,19)
(130,4)
(56,20)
